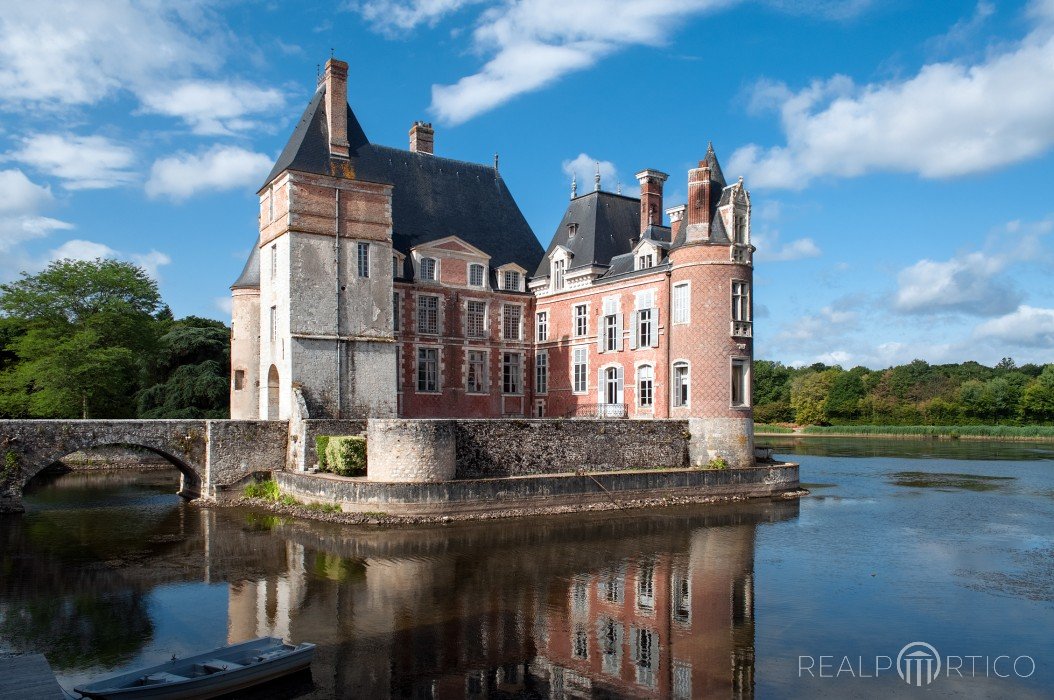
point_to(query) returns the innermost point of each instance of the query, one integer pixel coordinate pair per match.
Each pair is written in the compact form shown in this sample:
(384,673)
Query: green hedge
(770,428)
(344,455)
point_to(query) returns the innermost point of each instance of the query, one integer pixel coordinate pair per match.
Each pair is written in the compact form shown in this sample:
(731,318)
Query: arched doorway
(272,393)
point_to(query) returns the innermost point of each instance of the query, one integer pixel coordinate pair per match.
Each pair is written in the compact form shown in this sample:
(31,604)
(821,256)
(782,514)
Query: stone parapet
(410,450)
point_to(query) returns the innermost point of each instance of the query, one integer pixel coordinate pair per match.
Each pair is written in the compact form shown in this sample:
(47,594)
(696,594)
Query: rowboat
(208,674)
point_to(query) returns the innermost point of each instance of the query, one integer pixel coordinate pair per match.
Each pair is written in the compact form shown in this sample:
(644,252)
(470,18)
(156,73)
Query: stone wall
(400,450)
(237,448)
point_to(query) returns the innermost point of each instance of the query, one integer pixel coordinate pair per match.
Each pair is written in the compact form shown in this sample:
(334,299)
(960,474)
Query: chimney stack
(650,197)
(422,138)
(698,213)
(337,107)
(676,213)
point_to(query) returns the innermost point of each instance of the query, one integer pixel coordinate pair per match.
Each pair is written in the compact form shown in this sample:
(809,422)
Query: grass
(953,431)
(771,428)
(267,490)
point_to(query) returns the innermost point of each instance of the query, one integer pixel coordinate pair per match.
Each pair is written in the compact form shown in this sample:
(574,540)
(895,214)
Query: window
(428,314)
(398,369)
(740,229)
(428,369)
(364,259)
(395,311)
(613,388)
(476,379)
(541,327)
(541,373)
(682,595)
(274,261)
(475,275)
(740,383)
(643,653)
(611,588)
(428,269)
(681,301)
(581,320)
(559,267)
(476,319)
(512,373)
(645,261)
(510,321)
(645,333)
(610,637)
(646,586)
(270,205)
(680,384)
(682,680)
(397,271)
(511,281)
(580,643)
(572,229)
(239,379)
(740,301)
(610,333)
(581,370)
(645,386)
(274,323)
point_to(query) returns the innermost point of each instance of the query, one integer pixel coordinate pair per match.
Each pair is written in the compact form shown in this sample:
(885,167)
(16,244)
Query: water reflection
(635,603)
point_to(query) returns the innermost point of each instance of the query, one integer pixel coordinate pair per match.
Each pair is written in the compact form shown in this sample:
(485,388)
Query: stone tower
(325,270)
(712,263)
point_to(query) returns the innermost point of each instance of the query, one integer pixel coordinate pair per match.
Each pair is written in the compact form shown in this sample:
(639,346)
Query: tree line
(917,393)
(93,339)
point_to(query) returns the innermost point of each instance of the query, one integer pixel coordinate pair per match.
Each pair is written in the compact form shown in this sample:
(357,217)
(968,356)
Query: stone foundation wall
(495,448)
(238,448)
(413,450)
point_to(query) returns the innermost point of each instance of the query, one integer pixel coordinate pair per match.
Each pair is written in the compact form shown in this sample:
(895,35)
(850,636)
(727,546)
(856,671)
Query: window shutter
(619,343)
(620,379)
(600,335)
(655,326)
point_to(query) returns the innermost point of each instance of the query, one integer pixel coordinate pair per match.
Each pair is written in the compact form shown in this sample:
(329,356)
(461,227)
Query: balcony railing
(598,410)
(741,329)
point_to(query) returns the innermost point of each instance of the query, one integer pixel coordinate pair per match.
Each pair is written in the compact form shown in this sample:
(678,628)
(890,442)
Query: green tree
(845,395)
(89,332)
(809,397)
(1037,400)
(191,372)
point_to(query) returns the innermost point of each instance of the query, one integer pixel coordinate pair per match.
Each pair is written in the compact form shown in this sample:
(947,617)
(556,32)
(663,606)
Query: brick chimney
(337,107)
(650,197)
(698,213)
(422,138)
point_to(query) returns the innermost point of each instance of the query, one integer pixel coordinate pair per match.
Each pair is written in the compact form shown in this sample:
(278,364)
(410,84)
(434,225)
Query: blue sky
(898,154)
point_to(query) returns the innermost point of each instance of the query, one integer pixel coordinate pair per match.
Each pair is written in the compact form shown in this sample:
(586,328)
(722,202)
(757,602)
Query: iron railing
(599,410)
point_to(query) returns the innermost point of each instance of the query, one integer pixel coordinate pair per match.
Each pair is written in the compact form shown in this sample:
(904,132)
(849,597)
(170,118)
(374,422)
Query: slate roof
(722,191)
(608,226)
(250,276)
(432,197)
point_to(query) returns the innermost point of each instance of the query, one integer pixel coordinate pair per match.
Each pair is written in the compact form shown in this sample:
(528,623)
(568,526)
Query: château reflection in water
(104,574)
(636,604)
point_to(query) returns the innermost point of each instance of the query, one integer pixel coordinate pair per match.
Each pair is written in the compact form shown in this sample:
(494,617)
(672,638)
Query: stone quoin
(389,283)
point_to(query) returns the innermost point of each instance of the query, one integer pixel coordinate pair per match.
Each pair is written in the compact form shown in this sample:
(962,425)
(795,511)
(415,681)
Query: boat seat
(162,677)
(215,666)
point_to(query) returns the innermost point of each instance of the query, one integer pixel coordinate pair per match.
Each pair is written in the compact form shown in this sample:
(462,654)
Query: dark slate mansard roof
(432,197)
(250,276)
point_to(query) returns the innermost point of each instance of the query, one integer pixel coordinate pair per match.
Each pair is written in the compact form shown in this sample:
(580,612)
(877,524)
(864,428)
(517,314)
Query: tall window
(239,379)
(274,323)
(475,275)
(645,330)
(270,205)
(612,386)
(681,305)
(511,281)
(274,261)
(645,385)
(396,268)
(740,229)
(510,321)
(740,383)
(395,311)
(581,370)
(475,318)
(541,373)
(645,261)
(512,373)
(428,369)
(559,267)
(476,379)
(581,319)
(428,314)
(428,269)
(646,586)
(541,328)
(680,384)
(611,332)
(740,301)
(364,259)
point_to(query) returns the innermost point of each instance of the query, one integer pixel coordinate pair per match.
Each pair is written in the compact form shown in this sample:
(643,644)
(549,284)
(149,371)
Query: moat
(951,543)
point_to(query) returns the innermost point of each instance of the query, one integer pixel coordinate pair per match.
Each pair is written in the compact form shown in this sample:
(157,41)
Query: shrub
(262,489)
(717,463)
(344,455)
(321,443)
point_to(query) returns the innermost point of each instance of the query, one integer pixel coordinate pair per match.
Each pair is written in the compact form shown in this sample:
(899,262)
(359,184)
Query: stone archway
(273,395)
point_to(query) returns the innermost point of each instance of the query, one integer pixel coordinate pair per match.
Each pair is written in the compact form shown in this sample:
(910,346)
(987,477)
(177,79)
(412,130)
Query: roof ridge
(482,166)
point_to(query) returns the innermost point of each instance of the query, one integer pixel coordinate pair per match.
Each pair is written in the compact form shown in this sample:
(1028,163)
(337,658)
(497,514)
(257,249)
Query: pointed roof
(432,197)
(715,168)
(608,226)
(250,276)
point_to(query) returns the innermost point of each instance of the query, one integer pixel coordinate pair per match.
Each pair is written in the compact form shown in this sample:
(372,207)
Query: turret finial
(596,178)
(574,185)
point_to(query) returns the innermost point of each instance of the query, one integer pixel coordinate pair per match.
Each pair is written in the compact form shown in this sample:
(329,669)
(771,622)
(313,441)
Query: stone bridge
(209,454)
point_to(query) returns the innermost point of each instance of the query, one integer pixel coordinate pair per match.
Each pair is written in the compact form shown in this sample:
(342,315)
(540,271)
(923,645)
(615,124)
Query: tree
(809,397)
(191,373)
(89,330)
(1037,401)
(845,395)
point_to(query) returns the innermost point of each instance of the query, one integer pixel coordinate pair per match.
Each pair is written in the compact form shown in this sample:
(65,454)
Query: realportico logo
(917,664)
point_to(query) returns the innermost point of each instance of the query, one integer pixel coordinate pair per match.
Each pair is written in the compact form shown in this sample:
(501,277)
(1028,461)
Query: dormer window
(428,269)
(572,229)
(559,267)
(475,275)
(397,271)
(511,281)
(645,261)
(740,229)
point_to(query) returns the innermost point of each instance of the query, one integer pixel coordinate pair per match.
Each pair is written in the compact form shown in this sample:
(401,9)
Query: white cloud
(21,219)
(393,16)
(77,249)
(213,107)
(21,196)
(151,262)
(224,304)
(819,326)
(584,167)
(81,162)
(1027,326)
(950,119)
(219,168)
(771,251)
